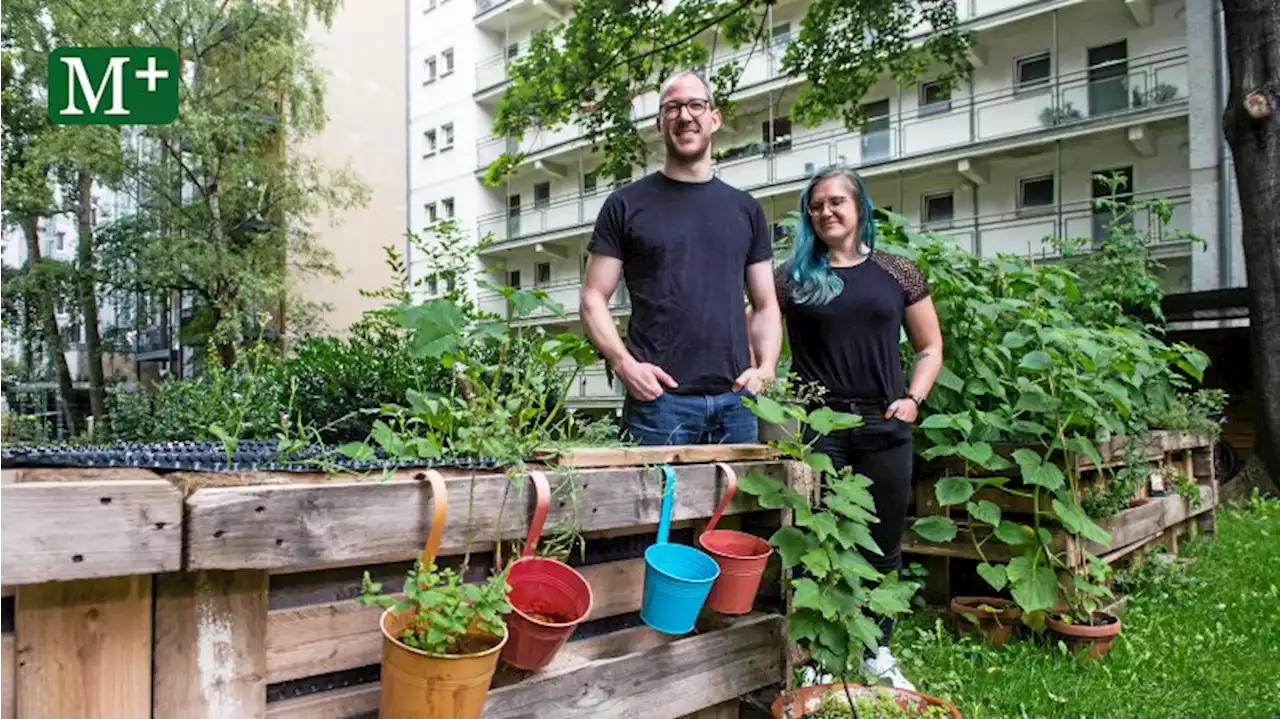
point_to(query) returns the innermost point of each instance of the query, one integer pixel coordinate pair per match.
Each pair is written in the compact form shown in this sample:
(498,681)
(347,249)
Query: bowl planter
(991,618)
(770,432)
(805,701)
(1096,636)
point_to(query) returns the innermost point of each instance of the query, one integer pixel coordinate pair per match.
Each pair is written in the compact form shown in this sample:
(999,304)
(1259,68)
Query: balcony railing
(1024,230)
(566,293)
(155,339)
(594,387)
(492,71)
(484,6)
(1156,82)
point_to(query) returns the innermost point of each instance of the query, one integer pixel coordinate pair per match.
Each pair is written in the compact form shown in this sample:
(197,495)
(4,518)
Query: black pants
(881,450)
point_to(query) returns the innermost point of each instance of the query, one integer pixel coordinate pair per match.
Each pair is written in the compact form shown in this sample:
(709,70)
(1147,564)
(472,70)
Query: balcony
(565,293)
(153,344)
(1023,231)
(592,389)
(499,16)
(554,219)
(1152,87)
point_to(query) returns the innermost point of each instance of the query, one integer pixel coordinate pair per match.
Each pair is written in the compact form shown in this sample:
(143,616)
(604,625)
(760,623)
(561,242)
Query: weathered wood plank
(67,530)
(635,672)
(1137,524)
(8,688)
(84,649)
(334,636)
(671,680)
(644,456)
(345,523)
(210,653)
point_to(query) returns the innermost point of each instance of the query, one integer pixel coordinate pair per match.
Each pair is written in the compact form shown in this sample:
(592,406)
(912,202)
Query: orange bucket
(742,558)
(420,685)
(548,598)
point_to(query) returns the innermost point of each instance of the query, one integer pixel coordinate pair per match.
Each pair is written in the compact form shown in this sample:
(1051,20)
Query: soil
(474,644)
(548,617)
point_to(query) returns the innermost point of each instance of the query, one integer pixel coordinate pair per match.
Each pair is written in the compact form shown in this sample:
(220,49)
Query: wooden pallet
(1148,520)
(232,595)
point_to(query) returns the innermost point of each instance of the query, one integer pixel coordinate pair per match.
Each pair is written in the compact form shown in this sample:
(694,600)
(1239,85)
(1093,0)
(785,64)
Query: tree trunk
(1251,123)
(52,337)
(87,289)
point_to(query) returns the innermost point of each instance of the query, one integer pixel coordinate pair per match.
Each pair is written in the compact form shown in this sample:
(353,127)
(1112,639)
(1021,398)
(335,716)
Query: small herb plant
(877,704)
(446,612)
(838,595)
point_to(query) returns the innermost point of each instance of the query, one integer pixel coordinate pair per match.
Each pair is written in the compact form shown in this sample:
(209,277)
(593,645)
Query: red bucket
(548,598)
(742,558)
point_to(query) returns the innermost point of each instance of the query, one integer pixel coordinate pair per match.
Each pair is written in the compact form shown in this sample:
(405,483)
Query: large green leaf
(984,511)
(1036,360)
(1075,520)
(995,575)
(791,543)
(935,529)
(825,420)
(953,490)
(1037,592)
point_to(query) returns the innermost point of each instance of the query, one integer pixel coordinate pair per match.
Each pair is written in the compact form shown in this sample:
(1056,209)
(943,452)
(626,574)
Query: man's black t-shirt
(685,247)
(851,344)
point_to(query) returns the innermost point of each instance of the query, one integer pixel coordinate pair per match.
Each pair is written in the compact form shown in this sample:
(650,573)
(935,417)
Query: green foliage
(444,609)
(838,590)
(1046,365)
(879,703)
(507,387)
(588,69)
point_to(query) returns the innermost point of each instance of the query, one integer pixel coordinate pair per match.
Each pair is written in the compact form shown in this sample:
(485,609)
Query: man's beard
(674,150)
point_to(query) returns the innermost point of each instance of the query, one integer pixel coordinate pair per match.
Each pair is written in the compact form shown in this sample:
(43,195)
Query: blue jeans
(690,419)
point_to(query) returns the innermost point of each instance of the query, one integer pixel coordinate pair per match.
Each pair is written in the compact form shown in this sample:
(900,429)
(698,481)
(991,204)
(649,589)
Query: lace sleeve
(914,285)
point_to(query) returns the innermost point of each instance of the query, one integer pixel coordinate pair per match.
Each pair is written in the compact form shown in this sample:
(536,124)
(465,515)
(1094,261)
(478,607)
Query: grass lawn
(1200,641)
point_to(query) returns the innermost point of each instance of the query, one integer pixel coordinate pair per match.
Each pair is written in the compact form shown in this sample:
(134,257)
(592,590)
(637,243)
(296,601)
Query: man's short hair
(674,77)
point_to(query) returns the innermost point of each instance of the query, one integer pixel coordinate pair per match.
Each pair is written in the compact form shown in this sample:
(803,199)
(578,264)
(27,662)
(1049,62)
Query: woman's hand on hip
(904,409)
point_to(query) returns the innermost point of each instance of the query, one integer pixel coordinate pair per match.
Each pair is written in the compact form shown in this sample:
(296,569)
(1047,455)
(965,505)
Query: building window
(432,286)
(541,195)
(542,274)
(934,99)
(1031,72)
(446,207)
(429,137)
(875,132)
(447,56)
(1035,195)
(430,207)
(447,130)
(779,135)
(61,241)
(513,51)
(429,67)
(450,283)
(781,34)
(939,208)
(589,183)
(513,279)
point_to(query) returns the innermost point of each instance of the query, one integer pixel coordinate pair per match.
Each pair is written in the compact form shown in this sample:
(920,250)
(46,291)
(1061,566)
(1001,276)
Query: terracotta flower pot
(990,618)
(1097,638)
(794,703)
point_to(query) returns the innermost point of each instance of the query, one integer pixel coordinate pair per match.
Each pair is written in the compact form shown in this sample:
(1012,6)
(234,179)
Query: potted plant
(838,596)
(442,638)
(788,391)
(834,702)
(990,618)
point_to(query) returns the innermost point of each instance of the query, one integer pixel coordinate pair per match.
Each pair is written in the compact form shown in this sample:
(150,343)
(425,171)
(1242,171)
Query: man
(687,245)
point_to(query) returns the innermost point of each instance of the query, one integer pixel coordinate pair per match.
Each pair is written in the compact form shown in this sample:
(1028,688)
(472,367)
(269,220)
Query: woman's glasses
(835,203)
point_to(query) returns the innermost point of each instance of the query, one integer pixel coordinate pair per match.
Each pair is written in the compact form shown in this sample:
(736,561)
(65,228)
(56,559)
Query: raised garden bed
(232,594)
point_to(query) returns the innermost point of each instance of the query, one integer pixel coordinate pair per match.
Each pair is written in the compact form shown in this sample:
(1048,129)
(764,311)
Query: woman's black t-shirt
(851,344)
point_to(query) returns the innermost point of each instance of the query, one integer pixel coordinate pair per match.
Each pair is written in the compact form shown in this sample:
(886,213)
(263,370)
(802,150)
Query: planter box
(240,604)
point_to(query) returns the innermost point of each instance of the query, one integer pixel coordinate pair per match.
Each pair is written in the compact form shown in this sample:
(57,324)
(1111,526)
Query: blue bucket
(677,578)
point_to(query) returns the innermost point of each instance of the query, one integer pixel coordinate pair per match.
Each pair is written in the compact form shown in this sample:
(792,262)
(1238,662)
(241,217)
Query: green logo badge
(113,86)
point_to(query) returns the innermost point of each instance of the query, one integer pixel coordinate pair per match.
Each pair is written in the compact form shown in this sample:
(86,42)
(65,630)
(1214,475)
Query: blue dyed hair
(807,267)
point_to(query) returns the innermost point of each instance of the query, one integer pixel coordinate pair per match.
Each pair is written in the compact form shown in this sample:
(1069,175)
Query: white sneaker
(884,666)
(811,677)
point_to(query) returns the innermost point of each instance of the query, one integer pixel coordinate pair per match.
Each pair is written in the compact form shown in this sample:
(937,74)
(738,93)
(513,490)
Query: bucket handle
(440,510)
(668,499)
(730,489)
(539,513)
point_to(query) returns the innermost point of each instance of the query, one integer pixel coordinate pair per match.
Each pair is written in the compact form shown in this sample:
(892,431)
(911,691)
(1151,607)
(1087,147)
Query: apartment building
(1061,90)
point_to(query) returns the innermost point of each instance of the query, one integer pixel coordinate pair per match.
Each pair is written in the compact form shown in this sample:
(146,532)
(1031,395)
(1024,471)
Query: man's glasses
(671,110)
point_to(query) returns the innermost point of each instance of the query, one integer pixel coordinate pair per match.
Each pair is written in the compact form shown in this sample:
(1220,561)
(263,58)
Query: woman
(845,305)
